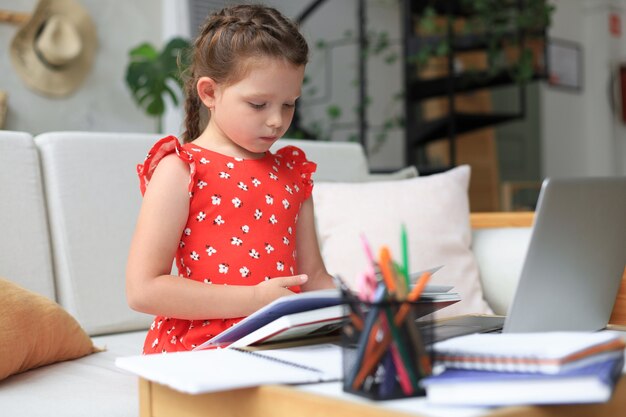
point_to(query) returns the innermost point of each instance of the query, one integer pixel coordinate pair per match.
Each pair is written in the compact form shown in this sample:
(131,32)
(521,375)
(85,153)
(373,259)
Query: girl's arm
(149,286)
(309,257)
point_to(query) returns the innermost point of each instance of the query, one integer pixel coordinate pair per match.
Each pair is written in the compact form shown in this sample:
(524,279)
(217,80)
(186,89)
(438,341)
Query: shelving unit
(451,83)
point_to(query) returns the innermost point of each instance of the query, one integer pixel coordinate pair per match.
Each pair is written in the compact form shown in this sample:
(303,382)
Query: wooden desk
(277,401)
(283,401)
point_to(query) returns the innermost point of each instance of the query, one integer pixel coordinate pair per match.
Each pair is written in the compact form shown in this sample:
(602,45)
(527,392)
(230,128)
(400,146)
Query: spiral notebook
(546,353)
(203,371)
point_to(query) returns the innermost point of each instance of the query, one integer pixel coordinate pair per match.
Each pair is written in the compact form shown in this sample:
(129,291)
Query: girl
(237,219)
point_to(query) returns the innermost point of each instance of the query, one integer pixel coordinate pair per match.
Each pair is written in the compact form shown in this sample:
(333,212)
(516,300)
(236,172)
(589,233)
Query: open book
(305,315)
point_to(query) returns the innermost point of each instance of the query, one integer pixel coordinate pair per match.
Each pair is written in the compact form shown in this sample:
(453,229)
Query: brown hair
(228,38)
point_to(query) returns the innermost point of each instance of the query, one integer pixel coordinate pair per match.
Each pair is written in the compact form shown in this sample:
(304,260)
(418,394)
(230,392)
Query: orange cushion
(36,331)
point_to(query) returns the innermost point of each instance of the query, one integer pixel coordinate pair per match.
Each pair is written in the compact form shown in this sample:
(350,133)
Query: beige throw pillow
(36,331)
(435,211)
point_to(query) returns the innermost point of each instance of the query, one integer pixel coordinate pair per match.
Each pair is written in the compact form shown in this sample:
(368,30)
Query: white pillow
(435,211)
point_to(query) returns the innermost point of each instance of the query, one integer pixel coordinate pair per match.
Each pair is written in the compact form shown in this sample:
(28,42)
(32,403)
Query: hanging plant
(152,76)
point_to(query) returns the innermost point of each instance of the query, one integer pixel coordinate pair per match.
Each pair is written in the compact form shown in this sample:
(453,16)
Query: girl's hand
(268,291)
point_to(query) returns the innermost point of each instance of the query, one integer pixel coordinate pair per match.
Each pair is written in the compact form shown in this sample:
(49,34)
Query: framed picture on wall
(564,64)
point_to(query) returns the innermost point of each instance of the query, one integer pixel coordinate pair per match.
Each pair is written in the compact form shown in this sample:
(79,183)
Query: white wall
(580,134)
(103,103)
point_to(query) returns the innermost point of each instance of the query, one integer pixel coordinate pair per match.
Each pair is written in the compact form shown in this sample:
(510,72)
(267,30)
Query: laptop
(574,263)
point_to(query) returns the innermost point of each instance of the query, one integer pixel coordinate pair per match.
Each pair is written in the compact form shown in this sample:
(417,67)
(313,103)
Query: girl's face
(247,117)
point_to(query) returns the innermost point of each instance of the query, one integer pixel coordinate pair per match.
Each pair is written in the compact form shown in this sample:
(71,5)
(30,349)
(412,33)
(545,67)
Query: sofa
(68,206)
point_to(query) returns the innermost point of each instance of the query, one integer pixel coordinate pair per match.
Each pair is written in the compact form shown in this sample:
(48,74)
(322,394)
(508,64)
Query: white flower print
(291,270)
(280,266)
(288,189)
(295,187)
(269,199)
(196,150)
(223,268)
(244,271)
(290,230)
(207,281)
(255,182)
(258,214)
(230,165)
(188,271)
(273,176)
(235,241)
(169,331)
(286,203)
(273,219)
(254,254)
(204,161)
(274,168)
(277,161)
(224,175)
(295,152)
(195,256)
(187,232)
(245,228)
(218,220)
(289,165)
(237,202)
(173,341)
(155,342)
(266,278)
(201,184)
(285,240)
(201,216)
(210,250)
(243,186)
(181,244)
(268,248)
(238,159)
(216,199)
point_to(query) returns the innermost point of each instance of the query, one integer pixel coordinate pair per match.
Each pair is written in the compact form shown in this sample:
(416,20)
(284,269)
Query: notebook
(574,264)
(202,371)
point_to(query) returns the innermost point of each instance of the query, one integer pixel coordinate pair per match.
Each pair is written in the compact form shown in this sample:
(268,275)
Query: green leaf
(151,74)
(334,112)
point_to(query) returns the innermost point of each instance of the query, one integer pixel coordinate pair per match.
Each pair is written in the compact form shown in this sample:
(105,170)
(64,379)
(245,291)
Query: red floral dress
(241,227)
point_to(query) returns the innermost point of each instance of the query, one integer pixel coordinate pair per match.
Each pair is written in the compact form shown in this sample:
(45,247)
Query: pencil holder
(384,347)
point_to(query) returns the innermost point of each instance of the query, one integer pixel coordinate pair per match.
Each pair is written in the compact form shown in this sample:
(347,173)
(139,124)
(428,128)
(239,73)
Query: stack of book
(526,368)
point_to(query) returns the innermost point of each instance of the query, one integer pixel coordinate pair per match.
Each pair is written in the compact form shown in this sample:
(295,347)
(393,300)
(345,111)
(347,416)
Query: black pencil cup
(385,347)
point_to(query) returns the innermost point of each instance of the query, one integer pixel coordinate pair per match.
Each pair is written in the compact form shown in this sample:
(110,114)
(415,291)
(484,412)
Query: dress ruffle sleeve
(296,157)
(160,150)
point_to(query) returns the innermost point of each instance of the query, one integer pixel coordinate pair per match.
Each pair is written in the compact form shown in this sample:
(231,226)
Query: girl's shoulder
(295,158)
(169,145)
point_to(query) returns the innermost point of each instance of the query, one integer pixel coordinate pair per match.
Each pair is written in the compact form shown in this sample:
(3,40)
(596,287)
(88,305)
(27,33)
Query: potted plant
(152,76)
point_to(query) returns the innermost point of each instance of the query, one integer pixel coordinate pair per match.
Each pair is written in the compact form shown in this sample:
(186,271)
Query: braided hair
(227,39)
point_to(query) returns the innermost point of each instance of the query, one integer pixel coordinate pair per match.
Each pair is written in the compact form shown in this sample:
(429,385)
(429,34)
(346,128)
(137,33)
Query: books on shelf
(197,372)
(305,315)
(549,352)
(588,384)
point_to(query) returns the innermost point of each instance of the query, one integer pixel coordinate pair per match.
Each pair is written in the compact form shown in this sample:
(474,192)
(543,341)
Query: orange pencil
(386,268)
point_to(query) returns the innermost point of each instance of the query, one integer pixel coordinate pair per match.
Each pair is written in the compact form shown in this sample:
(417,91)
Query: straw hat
(3,107)
(54,50)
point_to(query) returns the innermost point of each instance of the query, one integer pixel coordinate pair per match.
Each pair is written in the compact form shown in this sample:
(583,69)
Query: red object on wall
(615,24)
